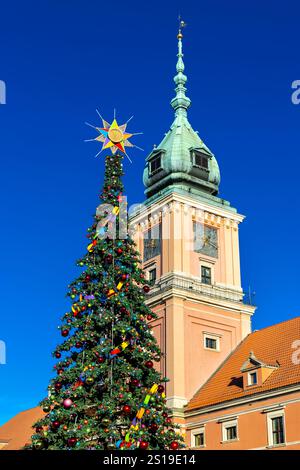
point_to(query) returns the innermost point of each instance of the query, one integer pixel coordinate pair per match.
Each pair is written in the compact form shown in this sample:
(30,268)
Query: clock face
(206,240)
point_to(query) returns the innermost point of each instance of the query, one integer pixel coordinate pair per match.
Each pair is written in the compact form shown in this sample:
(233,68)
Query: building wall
(185,316)
(180,330)
(252,421)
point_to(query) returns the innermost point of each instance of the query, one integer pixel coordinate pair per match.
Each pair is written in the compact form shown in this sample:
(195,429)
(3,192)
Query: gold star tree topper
(113,136)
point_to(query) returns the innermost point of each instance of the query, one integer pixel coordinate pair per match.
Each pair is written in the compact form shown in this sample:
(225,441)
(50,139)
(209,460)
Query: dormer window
(155,164)
(252,378)
(256,372)
(200,160)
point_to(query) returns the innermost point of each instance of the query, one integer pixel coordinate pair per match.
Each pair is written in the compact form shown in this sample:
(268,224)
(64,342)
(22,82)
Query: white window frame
(194,432)
(211,336)
(211,266)
(229,424)
(249,378)
(270,416)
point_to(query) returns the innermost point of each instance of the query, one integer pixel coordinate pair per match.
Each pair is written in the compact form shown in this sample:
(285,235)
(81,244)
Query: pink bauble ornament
(67,403)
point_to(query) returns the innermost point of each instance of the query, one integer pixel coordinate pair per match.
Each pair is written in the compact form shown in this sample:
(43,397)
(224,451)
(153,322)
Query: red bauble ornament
(149,364)
(169,420)
(78,345)
(153,427)
(119,251)
(57,355)
(72,441)
(124,277)
(144,445)
(87,278)
(126,409)
(160,388)
(100,359)
(165,414)
(64,332)
(174,445)
(60,371)
(38,429)
(149,317)
(58,386)
(135,382)
(123,310)
(108,259)
(146,289)
(55,424)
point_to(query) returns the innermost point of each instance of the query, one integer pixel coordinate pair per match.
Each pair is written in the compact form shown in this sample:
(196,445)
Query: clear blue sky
(62,59)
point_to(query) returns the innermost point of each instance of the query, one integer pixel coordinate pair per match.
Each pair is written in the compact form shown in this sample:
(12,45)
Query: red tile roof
(18,430)
(272,344)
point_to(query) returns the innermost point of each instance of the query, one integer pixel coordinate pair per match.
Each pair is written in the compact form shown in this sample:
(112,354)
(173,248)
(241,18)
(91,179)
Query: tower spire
(181,102)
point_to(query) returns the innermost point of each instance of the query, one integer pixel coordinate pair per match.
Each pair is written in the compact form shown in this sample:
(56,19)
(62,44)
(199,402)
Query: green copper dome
(181,159)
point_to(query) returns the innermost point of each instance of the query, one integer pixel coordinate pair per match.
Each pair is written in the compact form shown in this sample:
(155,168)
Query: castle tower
(188,238)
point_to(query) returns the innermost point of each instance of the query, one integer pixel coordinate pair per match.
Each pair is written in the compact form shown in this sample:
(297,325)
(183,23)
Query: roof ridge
(275,324)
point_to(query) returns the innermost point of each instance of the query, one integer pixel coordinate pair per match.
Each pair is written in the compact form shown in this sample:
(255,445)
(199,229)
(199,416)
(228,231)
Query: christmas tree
(107,393)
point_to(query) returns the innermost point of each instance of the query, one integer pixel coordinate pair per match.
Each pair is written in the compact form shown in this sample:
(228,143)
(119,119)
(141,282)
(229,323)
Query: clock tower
(188,238)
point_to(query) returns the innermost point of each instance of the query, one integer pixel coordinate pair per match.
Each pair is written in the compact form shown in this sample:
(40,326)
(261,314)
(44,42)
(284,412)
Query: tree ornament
(108,259)
(55,424)
(72,441)
(105,421)
(161,389)
(58,355)
(64,332)
(40,444)
(143,445)
(174,445)
(89,381)
(149,364)
(146,289)
(67,403)
(46,408)
(153,427)
(127,409)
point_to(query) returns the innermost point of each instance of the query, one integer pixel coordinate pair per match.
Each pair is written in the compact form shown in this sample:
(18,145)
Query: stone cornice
(173,202)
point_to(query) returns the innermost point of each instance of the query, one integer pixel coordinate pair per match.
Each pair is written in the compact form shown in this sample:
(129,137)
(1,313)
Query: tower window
(155,164)
(152,276)
(205,275)
(200,160)
(211,342)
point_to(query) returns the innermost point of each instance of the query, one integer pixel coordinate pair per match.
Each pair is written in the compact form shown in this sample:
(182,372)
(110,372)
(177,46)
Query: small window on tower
(205,275)
(211,342)
(152,276)
(155,164)
(200,160)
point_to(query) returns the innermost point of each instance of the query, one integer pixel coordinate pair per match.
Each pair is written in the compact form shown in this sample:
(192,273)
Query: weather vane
(113,136)
(182,24)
